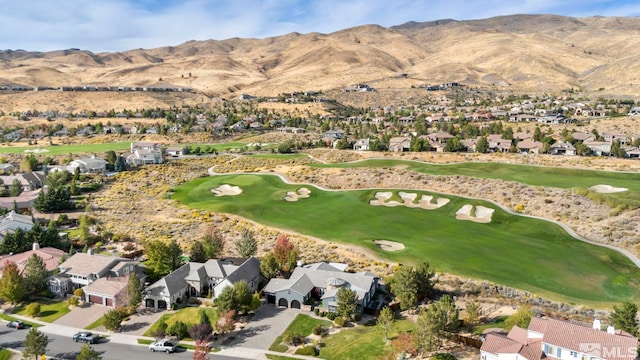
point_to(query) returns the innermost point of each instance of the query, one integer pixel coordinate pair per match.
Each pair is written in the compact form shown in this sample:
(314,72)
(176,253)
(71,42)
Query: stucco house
(560,340)
(91,165)
(322,282)
(399,144)
(13,221)
(49,255)
(361,145)
(563,148)
(201,279)
(144,153)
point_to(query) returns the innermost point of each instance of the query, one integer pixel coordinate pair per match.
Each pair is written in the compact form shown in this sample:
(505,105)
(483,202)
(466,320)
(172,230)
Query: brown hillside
(520,53)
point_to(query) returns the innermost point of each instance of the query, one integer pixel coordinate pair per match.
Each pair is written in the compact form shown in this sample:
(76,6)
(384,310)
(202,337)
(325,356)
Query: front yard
(50,310)
(189,316)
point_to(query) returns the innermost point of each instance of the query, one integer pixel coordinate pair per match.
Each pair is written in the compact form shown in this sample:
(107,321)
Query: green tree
(83,226)
(386,318)
(404,285)
(424,276)
(88,353)
(33,309)
(285,147)
(15,188)
(347,303)
(473,311)
(624,317)
(269,266)
(134,290)
(54,200)
(113,320)
(29,163)
(35,275)
(522,318)
(213,242)
(243,293)
(616,150)
(537,134)
(35,344)
(11,283)
(247,245)
(227,300)
(483,145)
(162,258)
(120,164)
(178,329)
(433,322)
(111,157)
(197,253)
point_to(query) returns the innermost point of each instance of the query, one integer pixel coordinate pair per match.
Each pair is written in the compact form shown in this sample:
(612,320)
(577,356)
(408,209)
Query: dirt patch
(387,245)
(301,193)
(482,214)
(607,189)
(227,190)
(408,200)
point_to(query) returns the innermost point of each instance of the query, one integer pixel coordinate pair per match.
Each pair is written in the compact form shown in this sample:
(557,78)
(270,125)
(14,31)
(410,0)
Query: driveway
(83,316)
(265,327)
(141,321)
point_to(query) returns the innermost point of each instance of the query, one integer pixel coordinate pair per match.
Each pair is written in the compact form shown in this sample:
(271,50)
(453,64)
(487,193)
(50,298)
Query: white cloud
(118,25)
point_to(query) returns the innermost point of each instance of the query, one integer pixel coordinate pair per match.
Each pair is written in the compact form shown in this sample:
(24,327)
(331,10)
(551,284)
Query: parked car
(16,324)
(87,337)
(163,345)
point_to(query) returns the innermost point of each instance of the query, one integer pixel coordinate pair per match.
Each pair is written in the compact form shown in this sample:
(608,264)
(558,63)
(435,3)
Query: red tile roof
(50,256)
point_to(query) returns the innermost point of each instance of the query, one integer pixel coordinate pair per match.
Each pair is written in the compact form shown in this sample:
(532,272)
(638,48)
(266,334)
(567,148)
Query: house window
(574,354)
(559,353)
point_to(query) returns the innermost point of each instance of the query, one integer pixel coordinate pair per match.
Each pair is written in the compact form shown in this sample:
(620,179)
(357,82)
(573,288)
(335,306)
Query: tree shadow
(133,326)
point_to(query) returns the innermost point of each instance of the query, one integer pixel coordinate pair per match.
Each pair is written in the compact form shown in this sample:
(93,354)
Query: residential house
(583,136)
(6,168)
(470,144)
(201,279)
(293,130)
(598,148)
(82,269)
(28,181)
(49,255)
(321,281)
(91,165)
(361,145)
(561,340)
(613,137)
(439,138)
(529,146)
(110,291)
(498,144)
(563,148)
(13,221)
(400,144)
(144,153)
(175,151)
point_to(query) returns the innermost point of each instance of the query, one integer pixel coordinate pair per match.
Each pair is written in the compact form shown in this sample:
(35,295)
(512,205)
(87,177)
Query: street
(61,347)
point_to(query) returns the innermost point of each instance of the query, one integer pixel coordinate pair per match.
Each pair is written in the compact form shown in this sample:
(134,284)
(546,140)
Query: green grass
(278,357)
(189,316)
(10,318)
(521,252)
(278,156)
(96,324)
(218,146)
(565,178)
(5,354)
(301,324)
(498,322)
(67,149)
(361,342)
(50,311)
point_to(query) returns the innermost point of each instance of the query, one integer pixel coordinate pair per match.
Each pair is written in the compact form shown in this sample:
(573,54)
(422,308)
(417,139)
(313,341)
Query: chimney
(611,329)
(596,324)
(35,246)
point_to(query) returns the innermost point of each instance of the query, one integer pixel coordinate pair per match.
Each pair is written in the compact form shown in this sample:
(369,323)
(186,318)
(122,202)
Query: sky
(120,25)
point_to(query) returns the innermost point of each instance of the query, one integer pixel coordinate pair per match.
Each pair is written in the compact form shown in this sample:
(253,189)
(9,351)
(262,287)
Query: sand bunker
(482,215)
(227,190)
(408,200)
(299,194)
(387,245)
(607,189)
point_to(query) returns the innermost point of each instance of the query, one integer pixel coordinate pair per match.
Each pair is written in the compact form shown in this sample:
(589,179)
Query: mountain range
(535,53)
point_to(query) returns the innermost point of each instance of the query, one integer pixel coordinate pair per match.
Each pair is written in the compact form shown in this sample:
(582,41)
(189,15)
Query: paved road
(62,347)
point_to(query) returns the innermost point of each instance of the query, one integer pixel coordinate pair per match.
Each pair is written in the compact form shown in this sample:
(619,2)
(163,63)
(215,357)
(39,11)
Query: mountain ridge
(536,53)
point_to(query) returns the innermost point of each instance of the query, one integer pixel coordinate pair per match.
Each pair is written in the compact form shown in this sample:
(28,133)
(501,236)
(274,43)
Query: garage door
(95,299)
(109,302)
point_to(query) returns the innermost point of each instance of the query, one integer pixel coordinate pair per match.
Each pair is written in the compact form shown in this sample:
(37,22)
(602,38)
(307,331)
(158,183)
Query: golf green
(525,253)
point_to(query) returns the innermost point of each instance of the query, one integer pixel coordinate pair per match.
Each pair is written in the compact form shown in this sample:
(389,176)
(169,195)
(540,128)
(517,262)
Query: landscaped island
(526,253)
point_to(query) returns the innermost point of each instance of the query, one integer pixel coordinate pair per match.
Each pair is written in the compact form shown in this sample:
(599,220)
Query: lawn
(361,342)
(10,318)
(564,178)
(521,252)
(67,149)
(96,324)
(188,315)
(301,324)
(50,311)
(498,322)
(5,354)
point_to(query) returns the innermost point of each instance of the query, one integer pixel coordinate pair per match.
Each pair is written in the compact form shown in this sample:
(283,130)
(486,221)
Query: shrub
(74,300)
(33,309)
(340,321)
(442,356)
(332,316)
(319,330)
(316,311)
(292,338)
(307,350)
(178,329)
(78,292)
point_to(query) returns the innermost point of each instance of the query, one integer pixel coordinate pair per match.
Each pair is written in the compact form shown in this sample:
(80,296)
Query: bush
(307,350)
(33,309)
(340,321)
(442,356)
(292,338)
(316,311)
(78,292)
(74,300)
(332,316)
(319,330)
(178,329)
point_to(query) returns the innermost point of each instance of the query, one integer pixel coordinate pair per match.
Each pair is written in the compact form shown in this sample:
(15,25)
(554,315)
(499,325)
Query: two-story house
(561,340)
